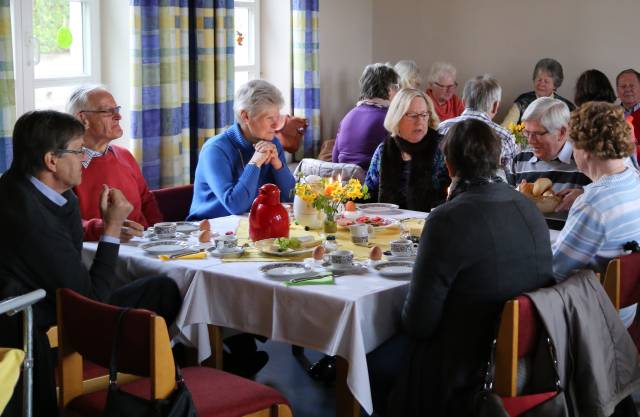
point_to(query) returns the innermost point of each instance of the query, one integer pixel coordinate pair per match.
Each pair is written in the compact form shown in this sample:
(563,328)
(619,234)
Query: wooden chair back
(86,329)
(622,280)
(517,336)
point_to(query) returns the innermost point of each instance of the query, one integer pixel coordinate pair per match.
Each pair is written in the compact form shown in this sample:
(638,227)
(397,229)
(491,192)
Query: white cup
(360,233)
(341,258)
(165,230)
(403,248)
(226,243)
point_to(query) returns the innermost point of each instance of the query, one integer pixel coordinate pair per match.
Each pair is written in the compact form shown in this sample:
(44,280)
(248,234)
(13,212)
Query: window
(247,42)
(56,49)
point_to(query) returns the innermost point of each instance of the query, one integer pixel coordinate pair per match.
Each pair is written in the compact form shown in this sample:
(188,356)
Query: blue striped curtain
(306,70)
(182,87)
(7,87)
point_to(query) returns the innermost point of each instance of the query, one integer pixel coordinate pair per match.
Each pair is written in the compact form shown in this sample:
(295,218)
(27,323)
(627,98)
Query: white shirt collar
(48,192)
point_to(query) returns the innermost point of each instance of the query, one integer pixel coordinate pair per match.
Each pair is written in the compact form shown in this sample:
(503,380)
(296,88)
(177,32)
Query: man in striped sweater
(550,152)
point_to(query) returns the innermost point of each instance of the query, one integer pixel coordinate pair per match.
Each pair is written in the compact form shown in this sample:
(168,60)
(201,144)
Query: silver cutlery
(185,252)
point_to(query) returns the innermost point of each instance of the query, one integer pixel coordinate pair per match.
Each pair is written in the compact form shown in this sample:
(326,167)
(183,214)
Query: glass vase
(330,226)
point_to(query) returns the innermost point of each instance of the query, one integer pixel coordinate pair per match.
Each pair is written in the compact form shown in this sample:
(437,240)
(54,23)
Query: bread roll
(541,185)
(527,188)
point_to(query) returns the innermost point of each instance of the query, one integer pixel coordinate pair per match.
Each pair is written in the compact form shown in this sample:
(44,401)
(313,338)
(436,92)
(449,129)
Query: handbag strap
(115,345)
(489,375)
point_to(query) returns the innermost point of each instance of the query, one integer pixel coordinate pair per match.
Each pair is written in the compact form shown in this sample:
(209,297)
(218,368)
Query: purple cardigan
(359,134)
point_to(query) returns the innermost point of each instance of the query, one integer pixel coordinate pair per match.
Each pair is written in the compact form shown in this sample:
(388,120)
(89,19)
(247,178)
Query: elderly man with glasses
(108,164)
(550,152)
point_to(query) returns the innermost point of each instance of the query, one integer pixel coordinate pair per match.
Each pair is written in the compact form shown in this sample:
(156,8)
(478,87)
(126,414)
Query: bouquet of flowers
(517,130)
(329,194)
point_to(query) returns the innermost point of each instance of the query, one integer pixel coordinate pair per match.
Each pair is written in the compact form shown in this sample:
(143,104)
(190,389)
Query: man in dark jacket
(42,248)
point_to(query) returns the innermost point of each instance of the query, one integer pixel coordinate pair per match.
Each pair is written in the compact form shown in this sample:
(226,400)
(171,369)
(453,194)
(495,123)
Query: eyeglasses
(394,87)
(417,116)
(446,87)
(78,152)
(110,112)
(528,134)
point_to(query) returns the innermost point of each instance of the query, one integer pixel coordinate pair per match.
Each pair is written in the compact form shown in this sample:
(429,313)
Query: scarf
(422,195)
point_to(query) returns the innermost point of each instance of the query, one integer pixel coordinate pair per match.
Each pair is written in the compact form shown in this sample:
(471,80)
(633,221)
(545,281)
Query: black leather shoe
(324,370)
(245,365)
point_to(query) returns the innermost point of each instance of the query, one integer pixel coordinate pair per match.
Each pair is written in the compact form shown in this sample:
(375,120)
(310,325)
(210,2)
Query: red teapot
(268,218)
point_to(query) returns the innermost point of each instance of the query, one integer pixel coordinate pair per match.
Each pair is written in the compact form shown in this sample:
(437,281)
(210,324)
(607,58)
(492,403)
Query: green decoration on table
(64,38)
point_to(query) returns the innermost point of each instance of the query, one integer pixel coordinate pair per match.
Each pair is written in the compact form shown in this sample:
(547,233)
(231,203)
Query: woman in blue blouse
(408,167)
(234,164)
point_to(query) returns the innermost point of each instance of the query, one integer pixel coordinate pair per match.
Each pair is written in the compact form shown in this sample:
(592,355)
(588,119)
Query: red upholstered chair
(517,337)
(87,328)
(174,202)
(622,284)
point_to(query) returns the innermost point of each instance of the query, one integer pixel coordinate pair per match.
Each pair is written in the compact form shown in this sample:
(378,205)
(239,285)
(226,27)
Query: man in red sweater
(108,164)
(628,86)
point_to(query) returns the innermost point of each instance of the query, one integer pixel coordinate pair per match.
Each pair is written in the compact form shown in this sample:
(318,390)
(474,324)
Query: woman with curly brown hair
(607,215)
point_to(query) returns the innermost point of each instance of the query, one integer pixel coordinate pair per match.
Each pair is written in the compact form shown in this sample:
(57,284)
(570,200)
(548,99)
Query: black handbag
(123,404)
(546,404)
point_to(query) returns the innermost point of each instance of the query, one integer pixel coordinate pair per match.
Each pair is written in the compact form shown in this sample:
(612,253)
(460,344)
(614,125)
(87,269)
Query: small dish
(379,208)
(286,270)
(308,244)
(394,268)
(164,247)
(229,253)
(410,258)
(186,227)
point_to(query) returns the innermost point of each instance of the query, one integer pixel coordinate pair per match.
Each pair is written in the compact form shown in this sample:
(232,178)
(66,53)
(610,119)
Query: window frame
(24,68)
(254,11)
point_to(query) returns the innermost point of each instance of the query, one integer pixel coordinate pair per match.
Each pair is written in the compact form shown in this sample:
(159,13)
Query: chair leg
(298,353)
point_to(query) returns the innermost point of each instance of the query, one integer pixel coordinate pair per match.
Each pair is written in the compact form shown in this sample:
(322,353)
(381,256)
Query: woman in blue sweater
(234,164)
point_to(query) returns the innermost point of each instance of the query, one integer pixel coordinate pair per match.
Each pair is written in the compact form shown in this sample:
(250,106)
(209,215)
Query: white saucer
(186,227)
(233,253)
(354,267)
(395,268)
(410,258)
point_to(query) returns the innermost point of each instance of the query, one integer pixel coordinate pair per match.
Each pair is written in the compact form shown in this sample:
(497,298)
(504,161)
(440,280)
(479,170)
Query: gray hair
(79,99)
(398,108)
(409,74)
(376,80)
(481,92)
(552,67)
(441,68)
(254,96)
(551,113)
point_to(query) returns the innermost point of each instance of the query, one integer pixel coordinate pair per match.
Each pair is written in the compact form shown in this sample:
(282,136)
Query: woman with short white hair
(442,90)
(234,164)
(408,168)
(409,74)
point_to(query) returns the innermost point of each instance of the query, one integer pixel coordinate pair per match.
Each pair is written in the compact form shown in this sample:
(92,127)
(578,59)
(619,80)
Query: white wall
(115,58)
(506,37)
(275,46)
(345,49)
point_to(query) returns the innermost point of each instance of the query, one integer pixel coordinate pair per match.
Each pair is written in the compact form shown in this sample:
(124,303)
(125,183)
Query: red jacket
(118,169)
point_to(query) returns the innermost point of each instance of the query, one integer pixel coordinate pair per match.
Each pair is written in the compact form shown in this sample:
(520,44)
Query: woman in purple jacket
(362,130)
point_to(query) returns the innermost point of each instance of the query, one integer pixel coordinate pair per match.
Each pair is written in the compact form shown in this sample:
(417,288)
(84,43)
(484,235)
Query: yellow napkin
(381,238)
(199,255)
(10,362)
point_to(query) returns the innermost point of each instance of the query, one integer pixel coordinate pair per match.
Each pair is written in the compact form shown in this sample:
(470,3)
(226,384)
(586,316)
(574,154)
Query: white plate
(264,246)
(164,247)
(286,270)
(186,227)
(388,220)
(379,208)
(394,268)
(235,253)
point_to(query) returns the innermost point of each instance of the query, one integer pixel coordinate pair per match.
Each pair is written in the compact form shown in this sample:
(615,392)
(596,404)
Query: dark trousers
(158,294)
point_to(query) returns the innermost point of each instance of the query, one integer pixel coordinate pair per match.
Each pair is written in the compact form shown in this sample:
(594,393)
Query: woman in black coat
(484,246)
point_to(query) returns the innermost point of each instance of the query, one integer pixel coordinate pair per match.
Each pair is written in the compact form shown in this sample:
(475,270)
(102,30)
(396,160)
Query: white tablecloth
(348,319)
